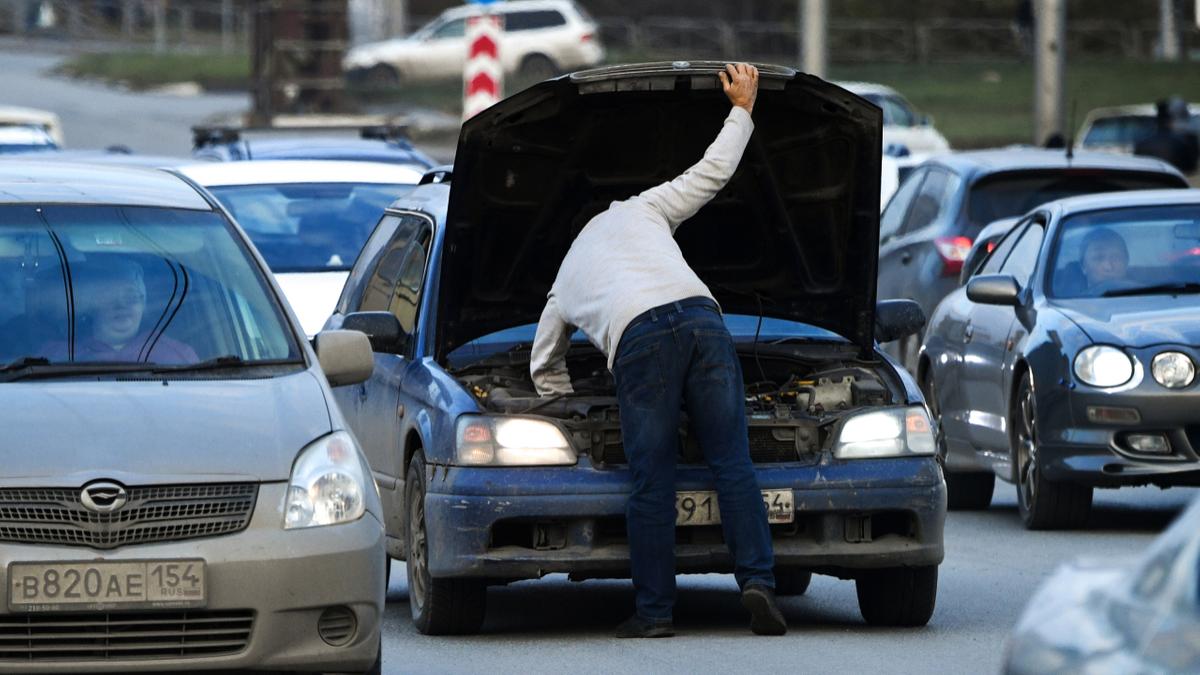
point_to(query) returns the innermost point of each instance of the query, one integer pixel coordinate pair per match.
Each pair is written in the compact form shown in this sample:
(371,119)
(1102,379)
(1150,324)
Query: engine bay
(791,400)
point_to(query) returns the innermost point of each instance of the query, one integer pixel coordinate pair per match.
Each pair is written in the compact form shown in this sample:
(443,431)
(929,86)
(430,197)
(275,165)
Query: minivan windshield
(130,286)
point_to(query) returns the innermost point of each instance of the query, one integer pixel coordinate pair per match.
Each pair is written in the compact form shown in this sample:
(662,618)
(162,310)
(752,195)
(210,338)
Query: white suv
(542,38)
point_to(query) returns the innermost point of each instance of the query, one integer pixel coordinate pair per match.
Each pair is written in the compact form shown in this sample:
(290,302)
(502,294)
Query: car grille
(766,447)
(152,514)
(113,635)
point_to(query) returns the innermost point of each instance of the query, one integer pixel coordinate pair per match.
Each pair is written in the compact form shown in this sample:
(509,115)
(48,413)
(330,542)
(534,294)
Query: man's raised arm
(682,197)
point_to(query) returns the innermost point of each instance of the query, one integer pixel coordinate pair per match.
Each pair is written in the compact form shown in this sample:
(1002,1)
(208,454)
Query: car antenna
(1071,132)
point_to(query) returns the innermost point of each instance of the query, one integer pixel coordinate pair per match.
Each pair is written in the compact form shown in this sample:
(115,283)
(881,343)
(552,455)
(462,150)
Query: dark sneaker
(765,617)
(637,627)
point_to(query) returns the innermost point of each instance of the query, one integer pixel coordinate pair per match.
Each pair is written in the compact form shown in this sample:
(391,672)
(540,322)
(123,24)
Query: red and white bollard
(483,78)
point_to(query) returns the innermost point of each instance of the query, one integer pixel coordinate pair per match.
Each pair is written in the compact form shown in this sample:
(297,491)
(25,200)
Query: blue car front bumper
(518,523)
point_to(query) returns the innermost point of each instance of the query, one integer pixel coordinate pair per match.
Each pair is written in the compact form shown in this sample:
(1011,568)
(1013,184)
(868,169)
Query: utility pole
(1050,56)
(813,28)
(1168,32)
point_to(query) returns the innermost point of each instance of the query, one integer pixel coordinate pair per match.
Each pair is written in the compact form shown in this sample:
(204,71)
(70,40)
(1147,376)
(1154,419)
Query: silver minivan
(178,489)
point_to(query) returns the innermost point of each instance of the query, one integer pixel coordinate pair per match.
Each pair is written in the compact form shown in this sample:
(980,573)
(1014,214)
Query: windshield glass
(1122,130)
(1126,249)
(741,327)
(1012,194)
(132,285)
(309,227)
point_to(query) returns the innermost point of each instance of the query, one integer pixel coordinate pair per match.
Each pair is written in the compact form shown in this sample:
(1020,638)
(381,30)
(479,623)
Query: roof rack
(372,127)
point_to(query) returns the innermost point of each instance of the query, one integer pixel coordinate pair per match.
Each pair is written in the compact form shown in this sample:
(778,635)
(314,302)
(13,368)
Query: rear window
(518,21)
(1123,130)
(1008,195)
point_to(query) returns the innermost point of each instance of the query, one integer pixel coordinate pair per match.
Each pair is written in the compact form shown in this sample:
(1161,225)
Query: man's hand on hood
(741,84)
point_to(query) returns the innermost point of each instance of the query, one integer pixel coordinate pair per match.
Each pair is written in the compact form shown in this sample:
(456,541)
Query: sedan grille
(151,514)
(99,635)
(767,446)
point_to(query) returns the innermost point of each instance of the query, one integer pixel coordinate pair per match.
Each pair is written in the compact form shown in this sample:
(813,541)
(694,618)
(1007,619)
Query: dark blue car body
(857,519)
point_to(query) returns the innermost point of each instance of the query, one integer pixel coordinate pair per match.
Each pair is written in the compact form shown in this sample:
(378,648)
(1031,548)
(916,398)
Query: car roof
(430,198)
(1118,200)
(64,183)
(322,148)
(1031,158)
(1137,110)
(274,172)
(503,7)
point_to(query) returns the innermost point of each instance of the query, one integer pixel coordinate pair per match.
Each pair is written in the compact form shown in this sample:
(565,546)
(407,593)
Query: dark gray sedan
(1068,361)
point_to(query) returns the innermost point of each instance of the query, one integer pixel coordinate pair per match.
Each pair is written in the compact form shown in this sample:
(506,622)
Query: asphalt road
(553,625)
(992,567)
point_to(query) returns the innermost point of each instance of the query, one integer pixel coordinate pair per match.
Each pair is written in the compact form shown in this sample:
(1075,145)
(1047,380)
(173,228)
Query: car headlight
(328,485)
(510,441)
(891,432)
(1103,366)
(1173,370)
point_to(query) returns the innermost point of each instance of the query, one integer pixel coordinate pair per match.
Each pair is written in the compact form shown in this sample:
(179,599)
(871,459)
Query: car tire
(439,606)
(381,76)
(537,67)
(1043,504)
(964,491)
(897,596)
(792,580)
(969,491)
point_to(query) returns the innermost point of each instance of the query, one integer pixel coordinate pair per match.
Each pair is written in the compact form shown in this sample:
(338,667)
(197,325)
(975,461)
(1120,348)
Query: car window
(930,201)
(406,293)
(893,214)
(133,285)
(1021,261)
(519,21)
(1013,193)
(308,227)
(1003,248)
(1121,130)
(455,28)
(896,111)
(1125,249)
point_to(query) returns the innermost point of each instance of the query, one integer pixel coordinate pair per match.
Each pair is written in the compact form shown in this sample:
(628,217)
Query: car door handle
(905,258)
(362,392)
(968,333)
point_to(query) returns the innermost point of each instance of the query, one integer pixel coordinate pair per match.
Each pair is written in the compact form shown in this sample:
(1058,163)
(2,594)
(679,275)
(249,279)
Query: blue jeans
(674,356)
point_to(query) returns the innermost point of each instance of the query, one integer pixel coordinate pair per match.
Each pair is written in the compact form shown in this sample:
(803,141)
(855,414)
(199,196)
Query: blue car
(483,482)
(377,143)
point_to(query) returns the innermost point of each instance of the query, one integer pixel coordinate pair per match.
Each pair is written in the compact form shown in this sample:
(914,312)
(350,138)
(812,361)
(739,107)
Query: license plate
(700,508)
(103,585)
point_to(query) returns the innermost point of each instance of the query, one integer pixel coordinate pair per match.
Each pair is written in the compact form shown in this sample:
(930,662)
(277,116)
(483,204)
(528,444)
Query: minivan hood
(1135,321)
(794,235)
(66,433)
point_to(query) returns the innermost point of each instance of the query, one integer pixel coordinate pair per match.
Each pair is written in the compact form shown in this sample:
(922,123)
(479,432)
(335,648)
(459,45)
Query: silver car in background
(179,490)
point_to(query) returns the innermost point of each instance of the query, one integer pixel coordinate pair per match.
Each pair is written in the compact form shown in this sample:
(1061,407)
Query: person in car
(625,284)
(113,298)
(1104,259)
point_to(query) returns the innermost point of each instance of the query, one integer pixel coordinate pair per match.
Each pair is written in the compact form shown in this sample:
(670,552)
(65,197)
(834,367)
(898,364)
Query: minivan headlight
(328,484)
(891,432)
(510,441)
(1103,366)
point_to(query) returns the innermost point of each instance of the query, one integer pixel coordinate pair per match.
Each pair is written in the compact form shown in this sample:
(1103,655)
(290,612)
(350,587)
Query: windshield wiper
(224,362)
(37,367)
(1172,288)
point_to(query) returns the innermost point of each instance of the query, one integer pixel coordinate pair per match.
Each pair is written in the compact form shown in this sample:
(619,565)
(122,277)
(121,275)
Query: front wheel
(897,596)
(1042,503)
(439,606)
(969,491)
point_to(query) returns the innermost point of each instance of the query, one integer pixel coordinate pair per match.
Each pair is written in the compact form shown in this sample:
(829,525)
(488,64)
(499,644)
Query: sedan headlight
(891,432)
(1103,366)
(510,441)
(328,484)
(1173,370)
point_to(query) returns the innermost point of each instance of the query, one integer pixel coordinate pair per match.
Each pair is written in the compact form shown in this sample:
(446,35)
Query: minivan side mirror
(381,328)
(994,289)
(895,319)
(345,356)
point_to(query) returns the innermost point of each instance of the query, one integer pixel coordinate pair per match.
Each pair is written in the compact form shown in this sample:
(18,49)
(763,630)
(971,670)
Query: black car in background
(1068,361)
(928,227)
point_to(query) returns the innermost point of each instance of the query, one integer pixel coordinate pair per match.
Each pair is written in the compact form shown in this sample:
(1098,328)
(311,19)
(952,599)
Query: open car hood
(794,235)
